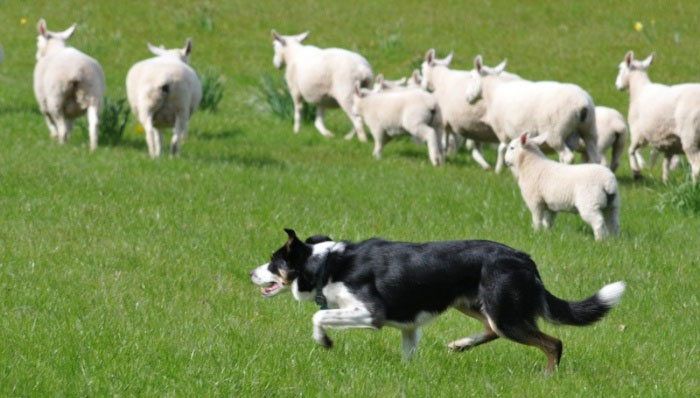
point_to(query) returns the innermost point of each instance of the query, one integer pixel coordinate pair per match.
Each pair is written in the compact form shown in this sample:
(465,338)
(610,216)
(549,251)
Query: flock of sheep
(437,105)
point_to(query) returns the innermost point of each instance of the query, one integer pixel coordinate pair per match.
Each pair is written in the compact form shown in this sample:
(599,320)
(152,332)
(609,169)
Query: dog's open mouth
(271,289)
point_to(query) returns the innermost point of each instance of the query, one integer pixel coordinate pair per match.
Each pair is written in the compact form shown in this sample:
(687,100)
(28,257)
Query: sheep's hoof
(326,342)
(636,175)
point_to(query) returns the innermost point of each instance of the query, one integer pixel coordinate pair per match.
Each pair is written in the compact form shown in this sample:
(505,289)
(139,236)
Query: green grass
(124,276)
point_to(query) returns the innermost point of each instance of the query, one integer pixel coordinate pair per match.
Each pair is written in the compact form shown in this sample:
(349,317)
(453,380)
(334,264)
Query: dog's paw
(458,346)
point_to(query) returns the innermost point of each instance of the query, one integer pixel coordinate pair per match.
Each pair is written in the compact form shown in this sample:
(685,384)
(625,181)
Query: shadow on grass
(251,161)
(217,135)
(645,181)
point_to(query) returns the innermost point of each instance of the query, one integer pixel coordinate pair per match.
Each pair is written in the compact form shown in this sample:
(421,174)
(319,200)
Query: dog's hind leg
(341,319)
(476,339)
(525,333)
(409,342)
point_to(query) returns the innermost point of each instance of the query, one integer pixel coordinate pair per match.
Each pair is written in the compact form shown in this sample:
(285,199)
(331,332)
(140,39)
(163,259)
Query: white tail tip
(611,294)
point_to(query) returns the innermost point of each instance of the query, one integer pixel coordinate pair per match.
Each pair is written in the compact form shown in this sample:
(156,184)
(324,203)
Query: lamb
(380,84)
(666,117)
(549,187)
(393,112)
(164,91)
(560,111)
(459,117)
(321,77)
(612,133)
(67,84)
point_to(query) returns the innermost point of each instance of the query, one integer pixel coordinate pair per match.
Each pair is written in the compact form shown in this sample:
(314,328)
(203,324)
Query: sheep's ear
(629,57)
(478,63)
(539,140)
(379,79)
(523,138)
(430,56)
(66,34)
(647,62)
(41,27)
(156,50)
(277,37)
(448,59)
(301,37)
(501,67)
(188,47)
(416,76)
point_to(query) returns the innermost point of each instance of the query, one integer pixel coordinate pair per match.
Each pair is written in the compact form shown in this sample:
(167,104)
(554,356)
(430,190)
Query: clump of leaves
(276,95)
(212,91)
(684,197)
(112,122)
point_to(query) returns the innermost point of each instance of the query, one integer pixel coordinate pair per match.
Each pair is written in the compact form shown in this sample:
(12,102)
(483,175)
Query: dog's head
(288,266)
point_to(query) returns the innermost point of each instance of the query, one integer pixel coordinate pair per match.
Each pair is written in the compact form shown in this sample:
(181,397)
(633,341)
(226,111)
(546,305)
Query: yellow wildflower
(23,21)
(638,26)
(139,129)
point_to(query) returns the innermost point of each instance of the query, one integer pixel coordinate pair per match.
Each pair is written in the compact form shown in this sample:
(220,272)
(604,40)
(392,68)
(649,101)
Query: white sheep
(459,117)
(67,84)
(321,77)
(164,91)
(562,112)
(666,117)
(612,133)
(400,111)
(549,187)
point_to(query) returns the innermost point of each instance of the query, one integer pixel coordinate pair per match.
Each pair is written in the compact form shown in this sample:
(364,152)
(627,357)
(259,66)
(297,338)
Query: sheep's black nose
(250,274)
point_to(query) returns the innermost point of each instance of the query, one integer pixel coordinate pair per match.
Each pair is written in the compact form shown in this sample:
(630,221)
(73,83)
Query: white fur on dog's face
(271,284)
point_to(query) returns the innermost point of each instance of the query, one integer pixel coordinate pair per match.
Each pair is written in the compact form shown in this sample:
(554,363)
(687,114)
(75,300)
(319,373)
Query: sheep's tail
(585,312)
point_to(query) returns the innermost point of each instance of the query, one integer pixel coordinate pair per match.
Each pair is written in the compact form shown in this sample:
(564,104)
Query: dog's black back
(404,279)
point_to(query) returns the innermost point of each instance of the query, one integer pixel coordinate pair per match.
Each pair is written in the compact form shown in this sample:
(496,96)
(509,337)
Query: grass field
(120,275)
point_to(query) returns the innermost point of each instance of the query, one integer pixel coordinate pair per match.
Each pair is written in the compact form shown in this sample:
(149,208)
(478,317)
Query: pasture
(125,276)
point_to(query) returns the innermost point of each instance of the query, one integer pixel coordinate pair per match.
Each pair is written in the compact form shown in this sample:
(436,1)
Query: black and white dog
(378,283)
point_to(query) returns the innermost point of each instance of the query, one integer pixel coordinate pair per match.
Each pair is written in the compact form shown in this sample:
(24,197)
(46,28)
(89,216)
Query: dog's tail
(585,312)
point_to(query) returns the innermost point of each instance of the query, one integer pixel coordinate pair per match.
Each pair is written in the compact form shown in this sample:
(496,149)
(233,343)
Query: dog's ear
(314,239)
(291,239)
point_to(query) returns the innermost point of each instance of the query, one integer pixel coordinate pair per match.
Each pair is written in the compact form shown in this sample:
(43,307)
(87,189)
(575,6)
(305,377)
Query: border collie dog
(378,283)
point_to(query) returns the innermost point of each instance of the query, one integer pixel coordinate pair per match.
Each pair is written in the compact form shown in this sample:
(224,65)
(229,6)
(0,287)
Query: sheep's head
(628,65)
(358,94)
(183,54)
(429,64)
(381,84)
(481,71)
(281,43)
(515,148)
(47,40)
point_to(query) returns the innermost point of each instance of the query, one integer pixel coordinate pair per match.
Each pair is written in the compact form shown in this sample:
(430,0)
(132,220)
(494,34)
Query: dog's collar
(321,274)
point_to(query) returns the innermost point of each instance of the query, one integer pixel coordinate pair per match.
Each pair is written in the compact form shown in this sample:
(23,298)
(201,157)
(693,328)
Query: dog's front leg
(339,319)
(409,342)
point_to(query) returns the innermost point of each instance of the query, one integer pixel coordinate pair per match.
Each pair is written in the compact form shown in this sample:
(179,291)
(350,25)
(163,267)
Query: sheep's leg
(635,156)
(432,137)
(591,148)
(640,158)
(63,127)
(595,219)
(665,166)
(501,156)
(151,135)
(548,219)
(346,106)
(693,155)
(537,215)
(52,126)
(653,156)
(478,156)
(179,132)
(298,106)
(93,120)
(320,126)
(380,139)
